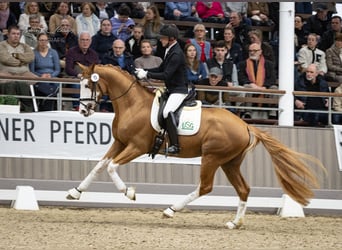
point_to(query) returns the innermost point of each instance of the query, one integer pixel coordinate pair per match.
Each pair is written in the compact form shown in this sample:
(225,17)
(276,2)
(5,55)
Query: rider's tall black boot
(171,128)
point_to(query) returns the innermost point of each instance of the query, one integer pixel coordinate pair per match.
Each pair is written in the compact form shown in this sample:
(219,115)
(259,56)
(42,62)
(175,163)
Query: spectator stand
(183,25)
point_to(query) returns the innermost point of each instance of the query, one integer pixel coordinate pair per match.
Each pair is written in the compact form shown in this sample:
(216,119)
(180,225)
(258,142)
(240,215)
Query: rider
(172,71)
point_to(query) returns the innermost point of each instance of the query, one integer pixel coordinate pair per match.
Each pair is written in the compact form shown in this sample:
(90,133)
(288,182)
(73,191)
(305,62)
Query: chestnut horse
(222,141)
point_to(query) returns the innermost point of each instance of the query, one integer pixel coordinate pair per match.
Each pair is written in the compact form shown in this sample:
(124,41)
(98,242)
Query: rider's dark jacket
(172,71)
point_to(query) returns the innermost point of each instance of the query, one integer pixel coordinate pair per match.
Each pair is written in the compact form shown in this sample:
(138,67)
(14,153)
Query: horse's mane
(125,73)
(117,68)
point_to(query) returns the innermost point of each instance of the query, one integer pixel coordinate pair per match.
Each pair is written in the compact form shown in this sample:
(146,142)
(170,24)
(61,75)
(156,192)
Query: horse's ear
(83,68)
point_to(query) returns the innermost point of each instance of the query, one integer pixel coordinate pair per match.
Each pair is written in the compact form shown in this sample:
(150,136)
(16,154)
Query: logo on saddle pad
(189,120)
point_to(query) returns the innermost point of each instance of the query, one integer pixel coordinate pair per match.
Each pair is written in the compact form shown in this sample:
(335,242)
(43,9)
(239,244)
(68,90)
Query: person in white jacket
(311,54)
(31,8)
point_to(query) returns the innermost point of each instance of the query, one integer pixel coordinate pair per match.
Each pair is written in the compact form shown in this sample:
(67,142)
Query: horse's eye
(86,85)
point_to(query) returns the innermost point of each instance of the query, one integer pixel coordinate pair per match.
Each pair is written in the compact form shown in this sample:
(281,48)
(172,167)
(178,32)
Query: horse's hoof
(74,194)
(232,225)
(168,213)
(130,193)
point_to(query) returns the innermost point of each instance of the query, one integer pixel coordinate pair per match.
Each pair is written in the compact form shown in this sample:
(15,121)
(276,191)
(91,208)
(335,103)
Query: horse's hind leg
(232,171)
(206,185)
(170,211)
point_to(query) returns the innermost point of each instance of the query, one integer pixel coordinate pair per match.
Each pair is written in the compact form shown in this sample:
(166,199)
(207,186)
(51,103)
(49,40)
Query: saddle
(188,112)
(189,101)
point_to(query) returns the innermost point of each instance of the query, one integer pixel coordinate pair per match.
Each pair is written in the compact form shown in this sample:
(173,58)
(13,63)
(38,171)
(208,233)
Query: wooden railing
(270,96)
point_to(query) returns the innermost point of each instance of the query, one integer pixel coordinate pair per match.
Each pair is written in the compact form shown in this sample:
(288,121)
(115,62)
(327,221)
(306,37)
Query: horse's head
(90,92)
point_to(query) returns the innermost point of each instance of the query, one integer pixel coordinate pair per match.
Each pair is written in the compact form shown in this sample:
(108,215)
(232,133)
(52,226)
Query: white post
(286,62)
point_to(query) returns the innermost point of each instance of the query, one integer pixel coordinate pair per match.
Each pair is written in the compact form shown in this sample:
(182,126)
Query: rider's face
(164,41)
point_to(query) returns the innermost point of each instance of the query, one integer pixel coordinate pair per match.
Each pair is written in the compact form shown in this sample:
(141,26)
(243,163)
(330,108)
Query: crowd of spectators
(106,32)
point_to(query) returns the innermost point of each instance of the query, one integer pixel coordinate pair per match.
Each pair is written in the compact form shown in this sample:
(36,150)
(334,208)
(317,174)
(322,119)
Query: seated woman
(152,25)
(103,40)
(211,12)
(87,20)
(31,8)
(147,60)
(195,69)
(7,19)
(62,12)
(45,65)
(234,50)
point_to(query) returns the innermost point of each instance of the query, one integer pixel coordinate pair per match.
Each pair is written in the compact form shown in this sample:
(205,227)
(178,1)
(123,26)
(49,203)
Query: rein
(93,93)
(124,93)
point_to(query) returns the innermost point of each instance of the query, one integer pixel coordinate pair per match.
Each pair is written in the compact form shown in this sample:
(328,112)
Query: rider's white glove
(141,73)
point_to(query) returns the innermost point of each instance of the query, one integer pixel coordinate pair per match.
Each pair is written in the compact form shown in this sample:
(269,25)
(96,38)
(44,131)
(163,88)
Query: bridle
(94,79)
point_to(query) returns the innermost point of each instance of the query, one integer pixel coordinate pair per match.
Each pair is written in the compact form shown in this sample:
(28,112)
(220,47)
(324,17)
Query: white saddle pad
(189,121)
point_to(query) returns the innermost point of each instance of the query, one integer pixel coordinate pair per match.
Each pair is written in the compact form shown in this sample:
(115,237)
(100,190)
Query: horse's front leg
(120,185)
(75,193)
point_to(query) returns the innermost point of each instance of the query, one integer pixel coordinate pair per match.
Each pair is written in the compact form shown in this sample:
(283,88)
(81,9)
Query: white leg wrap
(75,193)
(170,211)
(239,218)
(100,166)
(120,185)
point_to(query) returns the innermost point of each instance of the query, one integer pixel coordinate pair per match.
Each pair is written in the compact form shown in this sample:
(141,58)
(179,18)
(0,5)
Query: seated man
(215,79)
(117,57)
(312,81)
(29,36)
(14,61)
(257,72)
(62,40)
(80,54)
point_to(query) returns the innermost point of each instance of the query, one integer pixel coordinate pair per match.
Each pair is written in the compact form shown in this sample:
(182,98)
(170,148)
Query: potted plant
(9,104)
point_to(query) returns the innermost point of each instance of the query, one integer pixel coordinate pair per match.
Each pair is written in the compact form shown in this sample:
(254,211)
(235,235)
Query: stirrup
(173,149)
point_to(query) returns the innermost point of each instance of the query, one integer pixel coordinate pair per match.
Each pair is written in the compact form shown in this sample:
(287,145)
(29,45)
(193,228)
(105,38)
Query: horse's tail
(295,177)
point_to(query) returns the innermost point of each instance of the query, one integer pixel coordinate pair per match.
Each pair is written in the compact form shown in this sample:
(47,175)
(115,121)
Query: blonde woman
(31,8)
(152,24)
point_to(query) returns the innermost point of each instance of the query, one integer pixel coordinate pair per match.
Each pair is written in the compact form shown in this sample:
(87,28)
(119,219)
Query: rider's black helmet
(171,31)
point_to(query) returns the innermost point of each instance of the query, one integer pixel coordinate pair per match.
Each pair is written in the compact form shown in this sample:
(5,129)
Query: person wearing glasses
(45,65)
(257,72)
(203,47)
(31,8)
(117,57)
(63,40)
(80,54)
(29,36)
